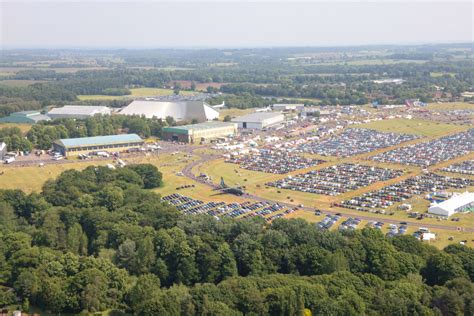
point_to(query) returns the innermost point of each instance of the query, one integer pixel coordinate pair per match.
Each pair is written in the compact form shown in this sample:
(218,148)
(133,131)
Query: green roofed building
(199,133)
(71,146)
(30,117)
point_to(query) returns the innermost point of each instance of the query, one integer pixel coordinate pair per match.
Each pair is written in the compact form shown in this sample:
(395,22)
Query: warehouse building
(180,111)
(458,203)
(259,120)
(287,107)
(199,133)
(29,117)
(78,111)
(75,146)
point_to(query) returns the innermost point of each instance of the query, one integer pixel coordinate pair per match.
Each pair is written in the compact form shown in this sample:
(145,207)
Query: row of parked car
(350,224)
(328,221)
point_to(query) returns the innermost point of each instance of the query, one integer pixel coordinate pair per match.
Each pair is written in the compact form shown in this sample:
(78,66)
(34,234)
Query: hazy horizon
(201,25)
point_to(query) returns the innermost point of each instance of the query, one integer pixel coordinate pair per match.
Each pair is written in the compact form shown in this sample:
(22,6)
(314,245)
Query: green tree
(442,267)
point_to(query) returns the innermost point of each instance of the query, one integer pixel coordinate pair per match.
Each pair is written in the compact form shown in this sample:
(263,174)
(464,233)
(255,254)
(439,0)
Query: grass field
(451,106)
(255,184)
(20,83)
(32,178)
(440,74)
(417,127)
(442,238)
(136,92)
(23,127)
(362,62)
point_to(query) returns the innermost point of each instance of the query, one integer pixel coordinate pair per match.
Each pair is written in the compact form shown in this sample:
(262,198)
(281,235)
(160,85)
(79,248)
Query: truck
(9,160)
(103,154)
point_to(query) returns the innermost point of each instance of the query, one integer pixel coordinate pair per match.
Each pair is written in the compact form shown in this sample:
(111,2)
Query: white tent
(457,203)
(180,111)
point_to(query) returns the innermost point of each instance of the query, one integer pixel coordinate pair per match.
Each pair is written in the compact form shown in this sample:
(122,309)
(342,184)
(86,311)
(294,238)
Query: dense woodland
(249,76)
(100,239)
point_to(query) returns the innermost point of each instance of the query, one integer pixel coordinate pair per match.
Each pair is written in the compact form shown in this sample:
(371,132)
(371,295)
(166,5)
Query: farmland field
(417,127)
(451,106)
(20,83)
(23,127)
(136,92)
(440,74)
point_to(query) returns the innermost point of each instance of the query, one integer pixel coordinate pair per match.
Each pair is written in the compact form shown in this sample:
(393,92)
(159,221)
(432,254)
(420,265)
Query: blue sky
(155,24)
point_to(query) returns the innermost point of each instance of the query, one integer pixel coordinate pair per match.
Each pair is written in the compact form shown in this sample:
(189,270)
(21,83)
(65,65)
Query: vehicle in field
(9,160)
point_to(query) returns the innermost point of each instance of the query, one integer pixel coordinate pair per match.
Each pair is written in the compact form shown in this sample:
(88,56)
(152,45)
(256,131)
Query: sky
(197,24)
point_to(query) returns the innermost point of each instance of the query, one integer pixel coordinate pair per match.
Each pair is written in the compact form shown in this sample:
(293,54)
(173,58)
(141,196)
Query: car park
(395,193)
(336,179)
(432,152)
(276,161)
(354,141)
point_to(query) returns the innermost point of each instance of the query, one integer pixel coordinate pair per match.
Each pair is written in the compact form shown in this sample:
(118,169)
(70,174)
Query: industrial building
(29,117)
(75,146)
(180,111)
(78,111)
(458,203)
(287,107)
(199,133)
(259,120)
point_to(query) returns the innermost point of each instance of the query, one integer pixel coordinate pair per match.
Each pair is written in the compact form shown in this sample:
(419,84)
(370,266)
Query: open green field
(381,61)
(101,97)
(442,236)
(20,83)
(136,92)
(440,74)
(451,106)
(23,127)
(7,71)
(32,178)
(417,127)
(144,92)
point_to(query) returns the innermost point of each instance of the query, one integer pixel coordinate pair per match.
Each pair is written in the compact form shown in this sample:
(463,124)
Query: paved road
(187,171)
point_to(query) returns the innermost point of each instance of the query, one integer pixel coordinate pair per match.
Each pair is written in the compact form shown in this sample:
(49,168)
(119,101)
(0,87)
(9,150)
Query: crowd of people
(336,179)
(355,141)
(273,161)
(465,167)
(432,152)
(389,195)
(190,206)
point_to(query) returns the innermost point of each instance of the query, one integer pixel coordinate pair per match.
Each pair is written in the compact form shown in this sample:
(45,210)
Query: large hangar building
(29,117)
(78,111)
(259,120)
(180,111)
(75,146)
(199,133)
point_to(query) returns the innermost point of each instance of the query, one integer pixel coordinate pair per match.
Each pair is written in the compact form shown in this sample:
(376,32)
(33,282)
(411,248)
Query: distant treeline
(259,76)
